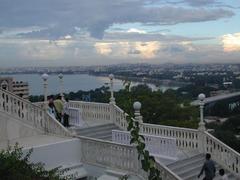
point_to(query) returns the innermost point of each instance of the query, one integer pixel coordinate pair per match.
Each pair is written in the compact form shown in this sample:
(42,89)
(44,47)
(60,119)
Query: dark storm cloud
(60,17)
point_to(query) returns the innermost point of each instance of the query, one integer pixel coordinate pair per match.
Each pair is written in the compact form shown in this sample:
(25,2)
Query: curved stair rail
(30,114)
(117,156)
(222,154)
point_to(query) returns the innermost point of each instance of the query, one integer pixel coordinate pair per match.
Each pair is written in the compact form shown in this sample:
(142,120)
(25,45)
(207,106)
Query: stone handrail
(30,114)
(166,173)
(222,154)
(75,118)
(120,117)
(92,111)
(117,156)
(157,145)
(186,139)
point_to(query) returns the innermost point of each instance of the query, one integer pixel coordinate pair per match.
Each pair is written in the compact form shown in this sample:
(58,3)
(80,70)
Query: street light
(201,124)
(60,76)
(45,78)
(112,99)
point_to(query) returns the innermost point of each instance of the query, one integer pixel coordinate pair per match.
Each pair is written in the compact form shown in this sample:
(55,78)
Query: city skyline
(58,33)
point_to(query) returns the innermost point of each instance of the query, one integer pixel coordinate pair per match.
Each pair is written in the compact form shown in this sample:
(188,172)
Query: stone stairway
(189,168)
(103,132)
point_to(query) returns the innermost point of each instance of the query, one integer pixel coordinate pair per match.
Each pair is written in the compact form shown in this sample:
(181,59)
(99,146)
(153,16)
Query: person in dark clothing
(208,168)
(66,113)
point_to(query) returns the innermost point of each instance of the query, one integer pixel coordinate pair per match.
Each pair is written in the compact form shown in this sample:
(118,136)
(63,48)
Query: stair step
(100,134)
(93,128)
(187,172)
(189,165)
(108,138)
(186,161)
(95,132)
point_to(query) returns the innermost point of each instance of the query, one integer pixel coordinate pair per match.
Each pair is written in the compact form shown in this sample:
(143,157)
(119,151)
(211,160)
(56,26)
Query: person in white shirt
(223,175)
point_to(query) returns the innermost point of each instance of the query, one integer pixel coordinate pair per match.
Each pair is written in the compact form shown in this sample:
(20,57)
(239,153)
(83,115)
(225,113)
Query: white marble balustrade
(91,110)
(158,146)
(223,154)
(120,117)
(109,154)
(117,156)
(30,114)
(187,139)
(75,118)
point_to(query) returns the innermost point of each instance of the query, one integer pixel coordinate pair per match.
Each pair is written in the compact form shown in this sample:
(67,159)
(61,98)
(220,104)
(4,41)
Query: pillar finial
(137,107)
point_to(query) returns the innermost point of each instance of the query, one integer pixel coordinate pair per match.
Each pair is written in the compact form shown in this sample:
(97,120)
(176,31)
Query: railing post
(45,78)
(201,127)
(137,114)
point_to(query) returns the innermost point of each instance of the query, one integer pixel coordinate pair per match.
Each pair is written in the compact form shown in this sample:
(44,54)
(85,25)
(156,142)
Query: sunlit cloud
(103,48)
(134,30)
(140,49)
(231,42)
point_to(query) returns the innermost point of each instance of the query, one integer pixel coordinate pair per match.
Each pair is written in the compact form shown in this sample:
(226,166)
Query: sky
(103,32)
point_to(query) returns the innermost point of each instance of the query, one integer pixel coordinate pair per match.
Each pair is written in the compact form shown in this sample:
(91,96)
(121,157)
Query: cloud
(135,30)
(231,42)
(61,17)
(145,50)
(200,2)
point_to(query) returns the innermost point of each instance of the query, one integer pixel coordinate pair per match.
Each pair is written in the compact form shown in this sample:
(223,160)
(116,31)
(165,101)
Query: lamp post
(112,99)
(60,76)
(45,78)
(201,124)
(137,114)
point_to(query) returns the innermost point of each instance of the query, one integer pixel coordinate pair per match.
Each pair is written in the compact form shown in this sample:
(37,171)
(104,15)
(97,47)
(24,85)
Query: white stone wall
(11,128)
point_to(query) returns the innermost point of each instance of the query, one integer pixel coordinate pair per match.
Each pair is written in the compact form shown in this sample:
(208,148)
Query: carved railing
(157,145)
(75,118)
(117,156)
(222,154)
(166,173)
(119,117)
(30,114)
(186,139)
(92,111)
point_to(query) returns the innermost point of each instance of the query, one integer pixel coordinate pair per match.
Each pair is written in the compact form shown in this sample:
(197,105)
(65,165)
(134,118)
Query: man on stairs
(208,168)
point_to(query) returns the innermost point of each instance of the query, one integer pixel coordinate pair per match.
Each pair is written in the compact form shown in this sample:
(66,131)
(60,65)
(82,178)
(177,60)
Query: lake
(72,82)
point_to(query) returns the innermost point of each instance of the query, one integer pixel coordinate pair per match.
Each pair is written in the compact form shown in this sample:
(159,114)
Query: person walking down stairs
(208,168)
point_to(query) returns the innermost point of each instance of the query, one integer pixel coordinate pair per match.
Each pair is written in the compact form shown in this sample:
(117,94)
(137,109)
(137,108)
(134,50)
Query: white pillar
(137,114)
(60,76)
(201,124)
(112,99)
(45,83)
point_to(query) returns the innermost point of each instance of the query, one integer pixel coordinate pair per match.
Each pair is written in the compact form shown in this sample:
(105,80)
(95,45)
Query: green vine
(147,161)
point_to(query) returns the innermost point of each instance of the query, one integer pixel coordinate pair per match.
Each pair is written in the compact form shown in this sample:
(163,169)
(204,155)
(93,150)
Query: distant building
(19,88)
